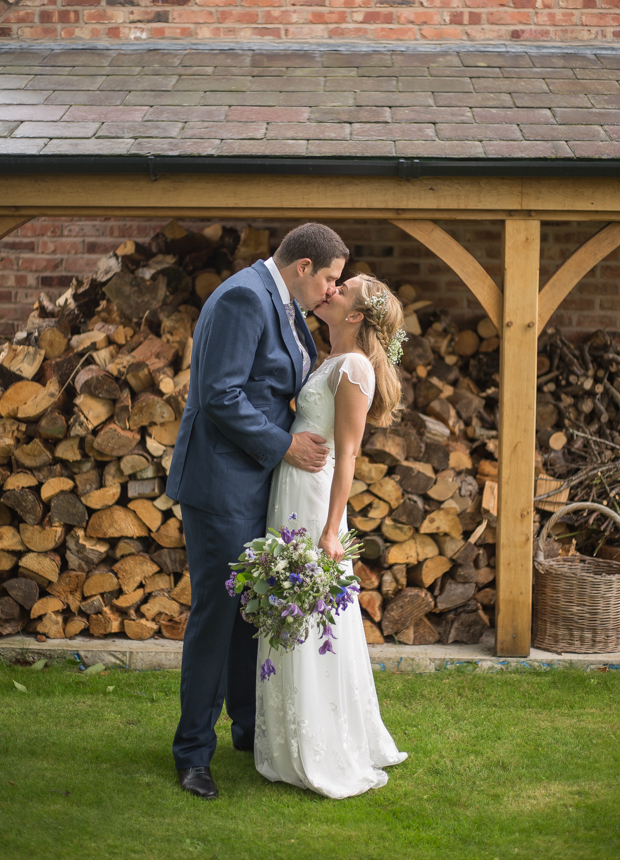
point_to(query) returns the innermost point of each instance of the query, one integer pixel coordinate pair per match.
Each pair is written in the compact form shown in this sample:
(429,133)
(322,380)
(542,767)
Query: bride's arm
(351,405)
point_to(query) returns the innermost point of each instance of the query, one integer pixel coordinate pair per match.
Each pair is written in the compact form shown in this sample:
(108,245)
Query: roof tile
(26,146)
(23,97)
(392,131)
(7,127)
(140,129)
(102,113)
(352,114)
(263,147)
(139,82)
(191,113)
(32,112)
(309,131)
(85,97)
(440,149)
(609,149)
(226,130)
(69,82)
(57,129)
(526,149)
(154,146)
(513,115)
(479,131)
(352,148)
(94,146)
(564,132)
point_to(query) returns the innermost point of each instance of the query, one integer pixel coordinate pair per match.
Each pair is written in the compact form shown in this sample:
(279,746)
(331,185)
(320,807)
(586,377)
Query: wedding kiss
(242,463)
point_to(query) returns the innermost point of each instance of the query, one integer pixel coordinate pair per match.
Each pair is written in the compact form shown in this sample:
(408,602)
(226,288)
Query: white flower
(311,555)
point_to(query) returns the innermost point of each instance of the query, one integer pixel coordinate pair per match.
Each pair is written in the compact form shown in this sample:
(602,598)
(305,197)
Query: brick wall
(314,20)
(47,253)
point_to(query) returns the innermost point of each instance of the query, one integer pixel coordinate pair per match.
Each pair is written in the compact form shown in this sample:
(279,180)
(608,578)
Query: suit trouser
(219,653)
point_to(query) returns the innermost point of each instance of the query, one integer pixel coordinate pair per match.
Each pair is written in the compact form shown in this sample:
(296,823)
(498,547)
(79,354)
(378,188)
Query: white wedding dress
(318,723)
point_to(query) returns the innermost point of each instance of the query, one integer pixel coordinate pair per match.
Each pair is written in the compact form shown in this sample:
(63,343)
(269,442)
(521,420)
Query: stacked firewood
(425,491)
(93,390)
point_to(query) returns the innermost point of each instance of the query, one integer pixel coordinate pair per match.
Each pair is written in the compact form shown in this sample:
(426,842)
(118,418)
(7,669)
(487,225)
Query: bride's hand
(332,547)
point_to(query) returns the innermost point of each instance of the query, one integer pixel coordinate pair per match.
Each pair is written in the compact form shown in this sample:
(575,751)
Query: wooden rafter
(461,262)
(574,269)
(8,223)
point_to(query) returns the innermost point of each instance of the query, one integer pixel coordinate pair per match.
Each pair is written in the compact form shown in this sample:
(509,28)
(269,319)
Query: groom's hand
(307,452)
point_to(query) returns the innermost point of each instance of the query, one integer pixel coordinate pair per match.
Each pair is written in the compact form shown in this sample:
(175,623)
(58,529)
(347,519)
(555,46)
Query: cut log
(158,582)
(19,480)
(96,410)
(373,547)
(18,395)
(466,343)
(468,627)
(130,601)
(486,597)
(408,605)
(174,628)
(132,463)
(53,340)
(9,609)
(361,501)
(67,508)
(122,408)
(486,328)
(46,604)
(41,538)
(150,409)
(109,621)
(372,632)
(86,482)
(182,593)
(68,588)
(372,602)
(116,522)
(489,499)
(51,626)
(133,569)
(23,591)
(25,361)
(94,606)
(102,498)
(34,455)
(52,426)
(113,441)
(409,512)
(170,534)
(443,521)
(485,575)
(43,564)
(171,560)
(40,402)
(442,490)
(459,461)
(206,283)
(7,561)
(99,582)
(134,296)
(425,573)
(96,382)
(75,626)
(155,352)
(140,628)
(69,450)
(145,489)
(442,410)
(394,531)
(389,490)
(10,539)
(419,632)
(402,553)
(367,471)
(166,434)
(25,503)
(369,577)
(128,546)
(386,447)
(112,474)
(426,547)
(83,551)
(415,477)
(159,604)
(139,376)
(453,594)
(389,586)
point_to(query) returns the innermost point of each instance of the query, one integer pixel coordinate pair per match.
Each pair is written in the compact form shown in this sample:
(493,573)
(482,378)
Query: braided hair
(383,316)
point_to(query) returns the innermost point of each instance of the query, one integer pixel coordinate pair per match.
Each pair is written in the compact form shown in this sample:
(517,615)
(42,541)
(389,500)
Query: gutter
(402,168)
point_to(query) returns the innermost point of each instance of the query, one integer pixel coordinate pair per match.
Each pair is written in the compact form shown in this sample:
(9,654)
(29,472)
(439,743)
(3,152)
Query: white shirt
(282,288)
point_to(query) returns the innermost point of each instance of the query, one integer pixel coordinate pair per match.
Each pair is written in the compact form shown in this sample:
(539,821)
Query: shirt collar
(282,288)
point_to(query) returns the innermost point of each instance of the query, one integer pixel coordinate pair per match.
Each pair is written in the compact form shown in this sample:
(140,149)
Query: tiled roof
(309,101)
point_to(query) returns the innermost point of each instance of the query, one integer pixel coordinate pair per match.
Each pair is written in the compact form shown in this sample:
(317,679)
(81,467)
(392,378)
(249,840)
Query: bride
(318,724)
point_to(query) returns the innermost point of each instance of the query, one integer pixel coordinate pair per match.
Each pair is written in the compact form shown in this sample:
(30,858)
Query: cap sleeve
(358,370)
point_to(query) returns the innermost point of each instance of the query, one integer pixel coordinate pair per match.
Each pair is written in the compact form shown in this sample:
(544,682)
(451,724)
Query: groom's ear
(304,266)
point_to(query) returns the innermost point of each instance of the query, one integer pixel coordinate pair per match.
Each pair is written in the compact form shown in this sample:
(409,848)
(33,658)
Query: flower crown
(394,349)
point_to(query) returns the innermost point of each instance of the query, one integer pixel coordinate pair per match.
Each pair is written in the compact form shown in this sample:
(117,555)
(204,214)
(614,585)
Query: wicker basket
(576,600)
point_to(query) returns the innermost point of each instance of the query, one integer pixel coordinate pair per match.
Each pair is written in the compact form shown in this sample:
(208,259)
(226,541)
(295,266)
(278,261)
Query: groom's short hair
(314,242)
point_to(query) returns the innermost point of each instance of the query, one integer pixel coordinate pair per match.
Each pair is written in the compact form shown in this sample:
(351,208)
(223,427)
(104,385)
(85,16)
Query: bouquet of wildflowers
(286,585)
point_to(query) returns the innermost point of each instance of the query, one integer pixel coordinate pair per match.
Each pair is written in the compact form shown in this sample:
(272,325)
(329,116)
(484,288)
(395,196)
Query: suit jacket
(246,367)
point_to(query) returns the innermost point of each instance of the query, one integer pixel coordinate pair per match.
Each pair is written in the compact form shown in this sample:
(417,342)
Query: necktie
(290,312)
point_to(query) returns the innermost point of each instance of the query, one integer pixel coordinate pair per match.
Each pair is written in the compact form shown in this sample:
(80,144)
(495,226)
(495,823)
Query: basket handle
(567,509)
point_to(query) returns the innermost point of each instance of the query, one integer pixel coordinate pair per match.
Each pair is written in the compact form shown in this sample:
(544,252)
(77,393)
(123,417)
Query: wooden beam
(574,269)
(461,262)
(517,403)
(9,223)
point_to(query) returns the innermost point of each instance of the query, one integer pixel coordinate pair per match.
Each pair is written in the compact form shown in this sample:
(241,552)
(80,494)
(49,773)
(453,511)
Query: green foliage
(500,765)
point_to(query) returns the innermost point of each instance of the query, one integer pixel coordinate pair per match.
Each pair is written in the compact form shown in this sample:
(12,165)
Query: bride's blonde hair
(383,317)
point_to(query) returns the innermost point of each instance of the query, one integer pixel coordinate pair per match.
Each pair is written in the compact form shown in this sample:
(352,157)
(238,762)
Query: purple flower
(326,646)
(287,535)
(312,567)
(327,632)
(267,669)
(230,584)
(292,516)
(293,610)
(320,606)
(250,555)
(271,580)
(296,578)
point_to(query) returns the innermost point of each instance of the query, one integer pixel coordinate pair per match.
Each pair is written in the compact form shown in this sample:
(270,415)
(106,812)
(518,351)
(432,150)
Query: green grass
(505,765)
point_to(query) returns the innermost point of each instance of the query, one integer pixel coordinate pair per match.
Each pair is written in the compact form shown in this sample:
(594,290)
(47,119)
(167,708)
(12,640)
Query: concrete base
(409,659)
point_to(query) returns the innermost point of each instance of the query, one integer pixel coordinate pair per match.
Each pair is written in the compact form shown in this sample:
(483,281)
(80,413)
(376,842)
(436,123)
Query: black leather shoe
(198,781)
(243,749)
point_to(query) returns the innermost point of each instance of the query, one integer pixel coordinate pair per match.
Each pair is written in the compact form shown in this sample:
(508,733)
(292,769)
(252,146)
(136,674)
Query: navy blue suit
(246,367)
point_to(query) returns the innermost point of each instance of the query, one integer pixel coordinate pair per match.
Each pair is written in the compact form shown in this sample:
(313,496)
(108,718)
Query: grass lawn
(520,764)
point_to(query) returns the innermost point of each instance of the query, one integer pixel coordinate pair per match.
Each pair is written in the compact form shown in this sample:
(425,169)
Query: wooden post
(517,437)
(8,223)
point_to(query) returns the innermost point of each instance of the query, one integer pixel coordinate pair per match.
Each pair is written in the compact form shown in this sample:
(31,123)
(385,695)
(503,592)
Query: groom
(251,355)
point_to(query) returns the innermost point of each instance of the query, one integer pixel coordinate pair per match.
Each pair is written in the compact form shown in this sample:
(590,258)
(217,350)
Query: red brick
(228,16)
(103,16)
(192,16)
